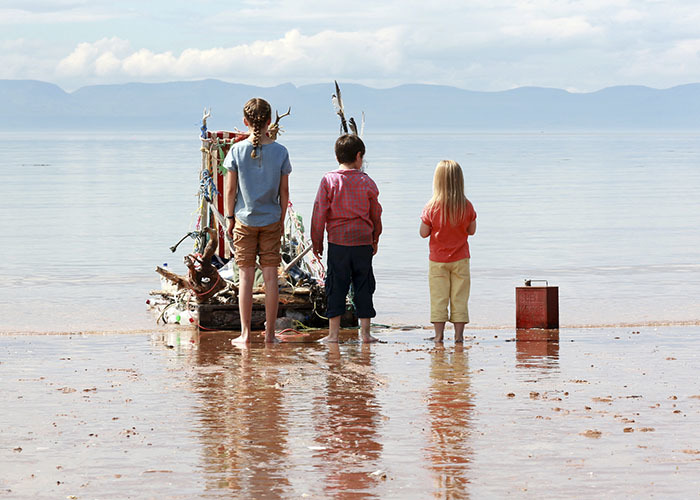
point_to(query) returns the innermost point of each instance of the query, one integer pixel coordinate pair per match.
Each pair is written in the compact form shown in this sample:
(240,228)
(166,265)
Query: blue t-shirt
(258,202)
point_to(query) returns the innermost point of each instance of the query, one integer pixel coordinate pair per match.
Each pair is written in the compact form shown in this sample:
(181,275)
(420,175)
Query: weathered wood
(295,290)
(204,281)
(227,317)
(179,281)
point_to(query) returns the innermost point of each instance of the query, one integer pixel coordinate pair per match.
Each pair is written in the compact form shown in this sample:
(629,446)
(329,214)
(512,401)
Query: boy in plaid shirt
(347,207)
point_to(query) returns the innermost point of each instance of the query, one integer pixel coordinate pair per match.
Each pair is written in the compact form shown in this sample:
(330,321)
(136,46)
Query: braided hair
(257,112)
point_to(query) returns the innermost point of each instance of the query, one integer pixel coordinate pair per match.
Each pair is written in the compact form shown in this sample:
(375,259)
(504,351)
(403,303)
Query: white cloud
(93,58)
(23,58)
(557,28)
(107,64)
(324,53)
(480,44)
(44,5)
(687,51)
(13,16)
(679,63)
(630,16)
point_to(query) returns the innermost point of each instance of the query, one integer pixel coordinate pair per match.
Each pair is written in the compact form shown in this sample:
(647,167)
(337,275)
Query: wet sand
(603,412)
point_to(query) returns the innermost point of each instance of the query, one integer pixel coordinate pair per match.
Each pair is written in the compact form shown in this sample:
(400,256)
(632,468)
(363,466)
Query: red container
(537,306)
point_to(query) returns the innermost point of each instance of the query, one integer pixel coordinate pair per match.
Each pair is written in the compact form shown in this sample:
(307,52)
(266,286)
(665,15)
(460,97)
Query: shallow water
(605,413)
(610,218)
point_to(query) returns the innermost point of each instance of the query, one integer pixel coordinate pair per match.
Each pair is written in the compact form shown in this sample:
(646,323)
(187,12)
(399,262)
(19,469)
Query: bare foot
(329,340)
(369,339)
(438,340)
(243,339)
(459,340)
(272,340)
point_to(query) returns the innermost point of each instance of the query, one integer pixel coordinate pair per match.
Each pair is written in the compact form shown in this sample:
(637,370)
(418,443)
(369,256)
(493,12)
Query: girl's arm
(284,196)
(472,228)
(424,230)
(230,203)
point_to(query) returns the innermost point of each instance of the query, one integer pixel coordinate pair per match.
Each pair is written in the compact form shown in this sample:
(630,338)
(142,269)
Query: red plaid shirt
(347,205)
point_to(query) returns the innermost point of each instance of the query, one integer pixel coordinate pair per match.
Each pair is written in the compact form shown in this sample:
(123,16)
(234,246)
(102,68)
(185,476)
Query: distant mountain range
(29,104)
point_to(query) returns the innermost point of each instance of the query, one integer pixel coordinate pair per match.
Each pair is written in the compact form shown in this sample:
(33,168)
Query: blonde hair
(448,192)
(257,112)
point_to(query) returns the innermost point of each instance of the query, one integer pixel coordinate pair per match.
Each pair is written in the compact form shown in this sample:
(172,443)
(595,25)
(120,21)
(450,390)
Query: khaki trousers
(450,283)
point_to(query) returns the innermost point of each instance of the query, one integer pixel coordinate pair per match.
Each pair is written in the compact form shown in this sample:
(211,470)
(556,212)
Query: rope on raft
(294,227)
(221,220)
(207,187)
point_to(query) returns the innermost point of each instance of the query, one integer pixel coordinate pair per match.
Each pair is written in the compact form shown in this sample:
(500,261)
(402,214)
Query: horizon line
(417,84)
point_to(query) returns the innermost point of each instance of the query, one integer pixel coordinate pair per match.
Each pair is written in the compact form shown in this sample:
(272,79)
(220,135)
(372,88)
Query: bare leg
(439,331)
(271,302)
(365,332)
(333,330)
(245,302)
(459,332)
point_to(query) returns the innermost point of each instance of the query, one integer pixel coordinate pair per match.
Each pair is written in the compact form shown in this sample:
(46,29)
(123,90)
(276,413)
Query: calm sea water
(612,219)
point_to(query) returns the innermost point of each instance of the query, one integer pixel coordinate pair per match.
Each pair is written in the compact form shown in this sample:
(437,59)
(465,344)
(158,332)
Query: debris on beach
(379,474)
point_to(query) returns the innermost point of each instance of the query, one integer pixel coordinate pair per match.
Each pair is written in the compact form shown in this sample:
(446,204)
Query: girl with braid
(257,193)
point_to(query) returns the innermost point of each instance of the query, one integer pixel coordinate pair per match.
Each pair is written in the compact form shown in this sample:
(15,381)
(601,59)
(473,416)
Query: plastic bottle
(163,281)
(185,317)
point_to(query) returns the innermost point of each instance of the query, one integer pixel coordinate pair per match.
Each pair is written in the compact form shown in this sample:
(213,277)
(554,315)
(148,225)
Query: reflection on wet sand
(449,407)
(118,416)
(244,423)
(537,349)
(254,404)
(346,417)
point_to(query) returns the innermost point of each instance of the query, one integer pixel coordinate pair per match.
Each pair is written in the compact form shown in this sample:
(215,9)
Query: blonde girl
(449,219)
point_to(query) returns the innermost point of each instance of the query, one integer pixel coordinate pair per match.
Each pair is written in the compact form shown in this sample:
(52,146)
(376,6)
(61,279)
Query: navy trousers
(346,266)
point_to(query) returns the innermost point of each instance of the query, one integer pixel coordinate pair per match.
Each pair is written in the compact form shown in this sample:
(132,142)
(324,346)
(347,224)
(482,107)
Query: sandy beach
(603,412)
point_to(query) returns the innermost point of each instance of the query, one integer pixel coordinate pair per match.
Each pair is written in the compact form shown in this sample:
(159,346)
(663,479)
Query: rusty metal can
(537,306)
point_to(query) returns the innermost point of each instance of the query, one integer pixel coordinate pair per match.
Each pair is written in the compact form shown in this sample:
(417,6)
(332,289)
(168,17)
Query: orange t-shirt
(448,243)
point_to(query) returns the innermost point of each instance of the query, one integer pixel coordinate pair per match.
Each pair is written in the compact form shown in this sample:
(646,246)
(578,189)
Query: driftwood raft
(204,298)
(207,296)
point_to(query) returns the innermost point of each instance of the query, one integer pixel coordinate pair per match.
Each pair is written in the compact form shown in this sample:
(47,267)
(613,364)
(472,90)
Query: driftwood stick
(178,280)
(297,258)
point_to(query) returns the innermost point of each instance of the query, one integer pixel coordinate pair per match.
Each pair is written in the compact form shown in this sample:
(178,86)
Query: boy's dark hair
(346,148)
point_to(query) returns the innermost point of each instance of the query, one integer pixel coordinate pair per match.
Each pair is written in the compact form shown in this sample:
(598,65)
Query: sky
(488,45)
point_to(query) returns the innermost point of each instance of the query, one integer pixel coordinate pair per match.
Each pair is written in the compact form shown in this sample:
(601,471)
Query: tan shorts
(251,241)
(450,283)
